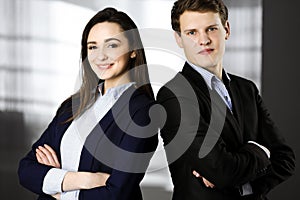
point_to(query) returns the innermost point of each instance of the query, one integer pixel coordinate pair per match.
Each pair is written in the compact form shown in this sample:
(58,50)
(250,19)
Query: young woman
(99,144)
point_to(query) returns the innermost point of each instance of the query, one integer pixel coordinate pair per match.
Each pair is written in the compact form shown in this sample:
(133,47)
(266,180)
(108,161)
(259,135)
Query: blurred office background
(40,63)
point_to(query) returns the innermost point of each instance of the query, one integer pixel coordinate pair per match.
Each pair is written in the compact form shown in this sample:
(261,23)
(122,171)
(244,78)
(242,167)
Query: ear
(133,54)
(227,29)
(178,39)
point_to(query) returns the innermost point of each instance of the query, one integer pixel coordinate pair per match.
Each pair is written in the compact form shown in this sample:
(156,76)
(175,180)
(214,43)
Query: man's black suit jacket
(198,118)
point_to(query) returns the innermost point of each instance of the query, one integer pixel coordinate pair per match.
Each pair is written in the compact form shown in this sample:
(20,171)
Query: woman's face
(108,53)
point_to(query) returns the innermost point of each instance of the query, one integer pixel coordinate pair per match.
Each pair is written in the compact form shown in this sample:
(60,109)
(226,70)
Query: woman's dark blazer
(121,185)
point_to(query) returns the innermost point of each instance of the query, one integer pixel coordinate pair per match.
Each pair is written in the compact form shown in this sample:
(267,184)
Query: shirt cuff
(246,189)
(53,181)
(70,195)
(262,147)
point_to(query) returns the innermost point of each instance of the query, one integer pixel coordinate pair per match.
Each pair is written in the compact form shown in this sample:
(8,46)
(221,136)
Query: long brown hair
(86,95)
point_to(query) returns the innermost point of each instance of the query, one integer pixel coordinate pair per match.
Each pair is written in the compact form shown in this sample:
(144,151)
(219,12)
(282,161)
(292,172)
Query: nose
(101,55)
(98,54)
(203,39)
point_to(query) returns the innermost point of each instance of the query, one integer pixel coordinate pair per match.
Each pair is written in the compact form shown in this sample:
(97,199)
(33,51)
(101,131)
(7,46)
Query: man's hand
(56,196)
(47,156)
(205,181)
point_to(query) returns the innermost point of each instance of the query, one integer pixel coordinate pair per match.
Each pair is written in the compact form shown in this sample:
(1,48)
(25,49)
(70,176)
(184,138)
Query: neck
(114,83)
(216,70)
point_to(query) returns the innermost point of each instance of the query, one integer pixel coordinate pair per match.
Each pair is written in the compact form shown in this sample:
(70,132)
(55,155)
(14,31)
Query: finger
(196,174)
(48,155)
(102,178)
(106,175)
(56,196)
(43,158)
(54,156)
(207,183)
(39,159)
(210,184)
(204,181)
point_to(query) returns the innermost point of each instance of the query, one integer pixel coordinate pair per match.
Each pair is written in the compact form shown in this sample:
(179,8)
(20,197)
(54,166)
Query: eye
(212,29)
(112,45)
(92,47)
(191,33)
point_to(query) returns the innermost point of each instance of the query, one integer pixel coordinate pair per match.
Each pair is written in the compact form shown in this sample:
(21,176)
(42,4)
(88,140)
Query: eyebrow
(109,39)
(105,41)
(188,30)
(92,42)
(194,29)
(213,25)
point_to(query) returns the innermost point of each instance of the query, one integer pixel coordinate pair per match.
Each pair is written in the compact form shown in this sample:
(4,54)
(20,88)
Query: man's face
(203,39)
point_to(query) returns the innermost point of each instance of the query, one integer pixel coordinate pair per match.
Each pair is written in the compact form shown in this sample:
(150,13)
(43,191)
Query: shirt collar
(116,92)
(208,76)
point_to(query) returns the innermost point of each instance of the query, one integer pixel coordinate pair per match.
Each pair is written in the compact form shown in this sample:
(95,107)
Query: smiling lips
(206,51)
(105,66)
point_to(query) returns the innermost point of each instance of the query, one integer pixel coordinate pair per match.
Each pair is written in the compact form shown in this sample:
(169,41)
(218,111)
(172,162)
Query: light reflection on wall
(244,48)
(40,53)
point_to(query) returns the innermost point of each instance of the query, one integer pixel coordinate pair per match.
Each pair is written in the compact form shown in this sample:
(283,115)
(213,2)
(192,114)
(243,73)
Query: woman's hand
(72,180)
(84,180)
(93,180)
(47,156)
(205,181)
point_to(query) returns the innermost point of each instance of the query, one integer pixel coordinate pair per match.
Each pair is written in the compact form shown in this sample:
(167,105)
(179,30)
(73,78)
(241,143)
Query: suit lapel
(94,139)
(212,96)
(196,80)
(237,104)
(220,104)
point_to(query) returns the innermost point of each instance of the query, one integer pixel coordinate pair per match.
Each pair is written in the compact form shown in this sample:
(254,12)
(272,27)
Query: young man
(229,147)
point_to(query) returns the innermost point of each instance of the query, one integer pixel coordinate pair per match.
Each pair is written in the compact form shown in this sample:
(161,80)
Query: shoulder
(133,98)
(67,108)
(234,77)
(139,100)
(139,97)
(242,82)
(181,86)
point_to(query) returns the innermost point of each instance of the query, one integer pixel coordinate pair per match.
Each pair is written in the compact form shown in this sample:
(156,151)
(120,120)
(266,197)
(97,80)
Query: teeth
(105,66)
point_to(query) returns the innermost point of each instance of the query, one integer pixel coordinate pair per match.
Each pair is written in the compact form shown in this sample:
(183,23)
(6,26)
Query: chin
(102,77)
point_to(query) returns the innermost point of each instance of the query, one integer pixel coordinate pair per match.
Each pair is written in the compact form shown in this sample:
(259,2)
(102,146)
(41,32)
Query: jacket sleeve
(222,166)
(31,173)
(124,185)
(282,156)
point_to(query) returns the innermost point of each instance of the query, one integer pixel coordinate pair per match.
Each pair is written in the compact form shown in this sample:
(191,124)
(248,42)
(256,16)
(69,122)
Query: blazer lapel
(102,129)
(220,104)
(237,104)
(212,96)
(196,80)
